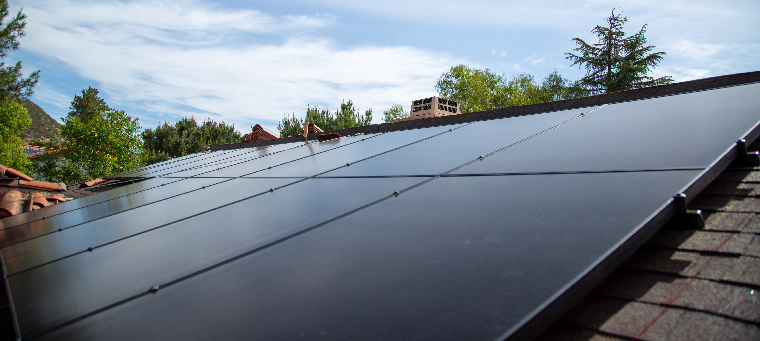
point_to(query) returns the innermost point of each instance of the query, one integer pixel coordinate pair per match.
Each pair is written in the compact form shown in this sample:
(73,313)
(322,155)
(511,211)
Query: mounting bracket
(746,158)
(686,219)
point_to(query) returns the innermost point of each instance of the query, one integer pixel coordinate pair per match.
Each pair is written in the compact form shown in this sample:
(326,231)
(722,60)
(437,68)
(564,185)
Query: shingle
(753,226)
(739,176)
(726,203)
(620,317)
(744,270)
(702,326)
(730,300)
(738,189)
(727,221)
(565,332)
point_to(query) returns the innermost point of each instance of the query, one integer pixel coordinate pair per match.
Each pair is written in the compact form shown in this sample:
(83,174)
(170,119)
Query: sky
(252,62)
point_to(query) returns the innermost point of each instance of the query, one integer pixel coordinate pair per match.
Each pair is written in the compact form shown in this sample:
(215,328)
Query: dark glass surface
(443,153)
(243,166)
(209,159)
(139,187)
(358,151)
(63,290)
(457,258)
(689,130)
(97,206)
(50,247)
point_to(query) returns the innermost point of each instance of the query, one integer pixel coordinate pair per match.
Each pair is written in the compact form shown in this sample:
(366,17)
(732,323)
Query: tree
(12,83)
(185,137)
(88,105)
(478,90)
(98,144)
(395,112)
(617,62)
(13,120)
(347,116)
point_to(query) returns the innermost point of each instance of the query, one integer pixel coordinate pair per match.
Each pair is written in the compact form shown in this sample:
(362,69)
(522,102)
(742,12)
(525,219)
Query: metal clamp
(746,158)
(685,218)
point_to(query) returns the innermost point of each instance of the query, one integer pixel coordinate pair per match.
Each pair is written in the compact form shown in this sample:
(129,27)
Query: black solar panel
(469,231)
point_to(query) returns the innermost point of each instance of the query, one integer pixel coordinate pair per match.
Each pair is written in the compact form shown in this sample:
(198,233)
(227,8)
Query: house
(489,225)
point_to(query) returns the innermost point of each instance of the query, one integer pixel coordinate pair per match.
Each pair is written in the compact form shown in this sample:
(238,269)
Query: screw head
(396,193)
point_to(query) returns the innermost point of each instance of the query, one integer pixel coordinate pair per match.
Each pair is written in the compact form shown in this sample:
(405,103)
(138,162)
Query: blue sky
(249,62)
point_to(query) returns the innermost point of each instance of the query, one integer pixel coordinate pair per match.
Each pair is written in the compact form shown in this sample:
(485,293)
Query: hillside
(43,126)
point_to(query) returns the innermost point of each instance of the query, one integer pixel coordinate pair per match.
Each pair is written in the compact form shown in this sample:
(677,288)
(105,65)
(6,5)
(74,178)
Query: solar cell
(116,271)
(88,201)
(456,258)
(437,155)
(460,231)
(684,131)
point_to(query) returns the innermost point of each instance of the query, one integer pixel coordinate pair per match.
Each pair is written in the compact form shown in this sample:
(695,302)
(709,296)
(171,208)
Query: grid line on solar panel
(248,160)
(179,179)
(156,288)
(391,195)
(91,248)
(211,157)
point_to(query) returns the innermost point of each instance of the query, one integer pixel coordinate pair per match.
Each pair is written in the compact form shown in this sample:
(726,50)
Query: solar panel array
(460,231)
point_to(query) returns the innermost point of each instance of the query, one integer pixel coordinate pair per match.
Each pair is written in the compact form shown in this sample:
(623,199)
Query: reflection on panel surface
(129,267)
(423,264)
(377,248)
(689,130)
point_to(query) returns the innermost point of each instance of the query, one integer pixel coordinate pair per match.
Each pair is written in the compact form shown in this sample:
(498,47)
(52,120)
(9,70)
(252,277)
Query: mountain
(43,126)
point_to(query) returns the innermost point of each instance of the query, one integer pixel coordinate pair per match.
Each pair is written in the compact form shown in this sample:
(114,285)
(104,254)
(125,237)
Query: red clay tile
(57,199)
(39,200)
(10,203)
(259,133)
(10,172)
(93,182)
(42,185)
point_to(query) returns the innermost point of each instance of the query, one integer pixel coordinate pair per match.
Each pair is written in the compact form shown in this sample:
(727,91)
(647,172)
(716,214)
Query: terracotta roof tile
(93,182)
(42,185)
(39,200)
(259,133)
(12,173)
(11,203)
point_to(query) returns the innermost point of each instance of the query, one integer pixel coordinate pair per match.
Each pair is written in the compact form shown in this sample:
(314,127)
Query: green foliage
(185,137)
(104,143)
(395,112)
(88,105)
(12,83)
(13,120)
(617,62)
(478,90)
(347,116)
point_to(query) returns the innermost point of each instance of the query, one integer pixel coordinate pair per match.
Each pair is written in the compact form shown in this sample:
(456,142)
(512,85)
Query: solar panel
(462,231)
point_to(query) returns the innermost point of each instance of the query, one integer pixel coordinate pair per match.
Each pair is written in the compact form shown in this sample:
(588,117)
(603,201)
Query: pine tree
(12,83)
(617,62)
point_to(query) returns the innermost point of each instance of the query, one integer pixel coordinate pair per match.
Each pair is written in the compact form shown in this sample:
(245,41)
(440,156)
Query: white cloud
(174,60)
(503,53)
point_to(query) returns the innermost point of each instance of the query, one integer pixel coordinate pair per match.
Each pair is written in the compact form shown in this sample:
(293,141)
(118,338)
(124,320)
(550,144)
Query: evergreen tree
(12,83)
(185,137)
(395,112)
(88,105)
(347,116)
(617,62)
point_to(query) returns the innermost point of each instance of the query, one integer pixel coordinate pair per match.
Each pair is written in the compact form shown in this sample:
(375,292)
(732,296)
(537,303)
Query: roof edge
(574,103)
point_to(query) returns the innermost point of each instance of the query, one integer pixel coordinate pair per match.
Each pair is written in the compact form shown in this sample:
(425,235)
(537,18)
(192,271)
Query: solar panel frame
(534,323)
